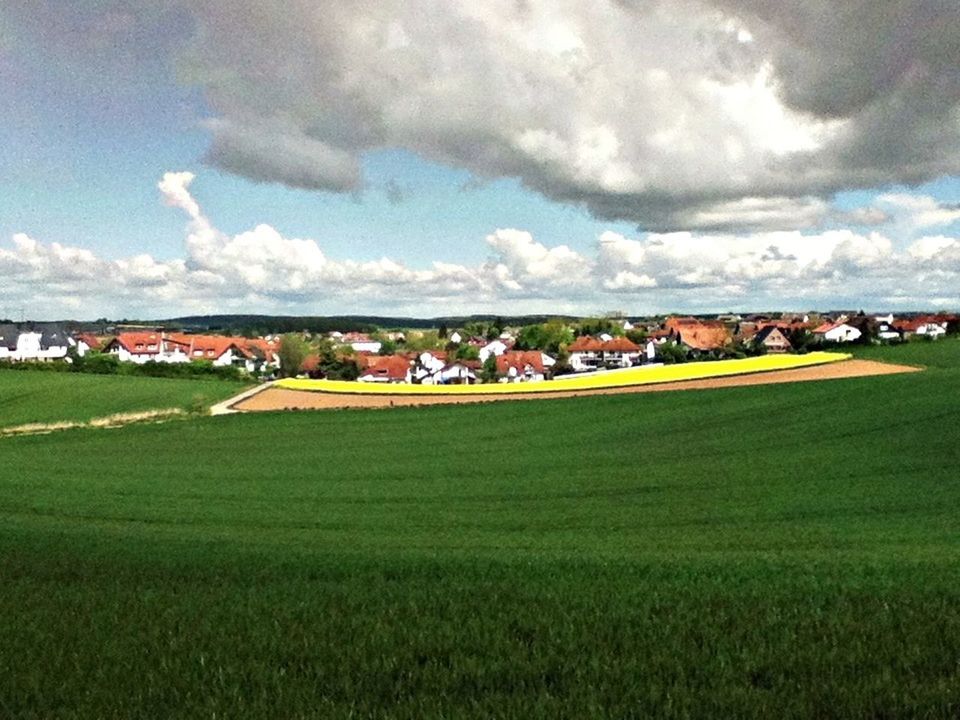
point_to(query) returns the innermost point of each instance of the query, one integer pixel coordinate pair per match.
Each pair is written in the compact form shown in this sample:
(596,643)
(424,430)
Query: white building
(47,343)
(495,348)
(144,347)
(588,353)
(838,332)
(457,374)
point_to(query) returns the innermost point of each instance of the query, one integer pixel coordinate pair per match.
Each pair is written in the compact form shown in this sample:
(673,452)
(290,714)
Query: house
(386,369)
(9,335)
(698,335)
(836,332)
(54,343)
(931,326)
(50,342)
(218,349)
(88,342)
(259,354)
(361,342)
(773,339)
(920,327)
(589,353)
(462,372)
(144,347)
(524,366)
(495,347)
(428,365)
(46,342)
(586,353)
(621,352)
(456,337)
(886,330)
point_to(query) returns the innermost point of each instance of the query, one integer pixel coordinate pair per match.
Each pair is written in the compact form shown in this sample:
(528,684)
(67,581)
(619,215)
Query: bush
(195,368)
(56,366)
(198,405)
(670,353)
(98,364)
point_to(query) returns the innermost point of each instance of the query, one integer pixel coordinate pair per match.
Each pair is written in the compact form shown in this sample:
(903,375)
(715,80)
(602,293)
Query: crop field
(48,397)
(770,551)
(588,381)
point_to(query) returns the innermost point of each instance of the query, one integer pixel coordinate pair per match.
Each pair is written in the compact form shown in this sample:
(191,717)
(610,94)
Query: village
(479,352)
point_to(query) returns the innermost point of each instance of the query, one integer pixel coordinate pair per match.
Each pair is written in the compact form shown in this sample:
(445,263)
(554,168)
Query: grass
(772,551)
(943,353)
(49,397)
(646,375)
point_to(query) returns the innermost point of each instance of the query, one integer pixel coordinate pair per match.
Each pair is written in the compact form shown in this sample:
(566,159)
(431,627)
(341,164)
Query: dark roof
(9,334)
(767,331)
(53,336)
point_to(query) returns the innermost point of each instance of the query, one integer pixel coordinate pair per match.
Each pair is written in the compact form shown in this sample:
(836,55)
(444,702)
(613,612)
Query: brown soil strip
(110,421)
(274,398)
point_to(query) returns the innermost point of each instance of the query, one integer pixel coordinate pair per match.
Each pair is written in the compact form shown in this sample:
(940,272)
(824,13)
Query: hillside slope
(788,551)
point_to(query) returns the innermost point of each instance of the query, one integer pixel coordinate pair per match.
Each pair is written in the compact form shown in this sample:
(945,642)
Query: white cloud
(936,250)
(174,186)
(921,211)
(693,114)
(261,270)
(521,260)
(708,115)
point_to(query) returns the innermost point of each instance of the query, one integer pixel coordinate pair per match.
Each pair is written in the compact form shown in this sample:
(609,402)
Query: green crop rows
(771,551)
(47,397)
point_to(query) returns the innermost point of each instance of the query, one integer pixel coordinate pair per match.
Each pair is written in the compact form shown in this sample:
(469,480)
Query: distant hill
(341,323)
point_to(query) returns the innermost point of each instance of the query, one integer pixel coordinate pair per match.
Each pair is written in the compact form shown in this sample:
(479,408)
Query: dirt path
(110,421)
(228,406)
(273,398)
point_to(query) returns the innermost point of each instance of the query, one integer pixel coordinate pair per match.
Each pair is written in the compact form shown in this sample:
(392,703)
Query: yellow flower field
(590,381)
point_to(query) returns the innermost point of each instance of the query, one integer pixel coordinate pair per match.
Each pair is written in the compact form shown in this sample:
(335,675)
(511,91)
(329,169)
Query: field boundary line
(226,406)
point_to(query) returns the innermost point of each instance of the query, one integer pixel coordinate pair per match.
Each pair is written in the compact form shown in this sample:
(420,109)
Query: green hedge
(101,364)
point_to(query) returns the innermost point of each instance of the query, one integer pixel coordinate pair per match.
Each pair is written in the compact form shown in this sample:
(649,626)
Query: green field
(47,397)
(770,551)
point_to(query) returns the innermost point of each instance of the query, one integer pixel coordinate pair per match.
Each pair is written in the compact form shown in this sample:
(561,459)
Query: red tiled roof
(826,327)
(94,342)
(139,343)
(585,343)
(620,344)
(703,336)
(268,348)
(914,324)
(392,367)
(355,337)
(210,347)
(519,360)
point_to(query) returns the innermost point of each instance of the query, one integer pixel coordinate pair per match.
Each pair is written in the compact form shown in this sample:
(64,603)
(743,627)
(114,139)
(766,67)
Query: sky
(426,158)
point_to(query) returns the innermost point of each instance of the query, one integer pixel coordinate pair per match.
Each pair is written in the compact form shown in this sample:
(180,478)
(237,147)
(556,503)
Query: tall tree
(293,351)
(488,373)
